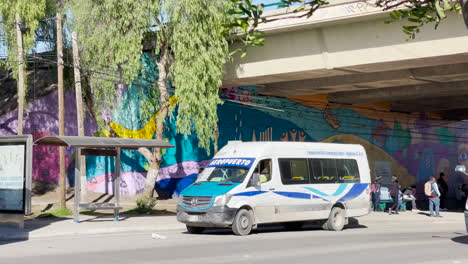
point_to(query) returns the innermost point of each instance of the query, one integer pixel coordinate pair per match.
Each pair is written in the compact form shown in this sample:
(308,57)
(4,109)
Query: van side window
(333,171)
(264,169)
(323,171)
(348,171)
(294,171)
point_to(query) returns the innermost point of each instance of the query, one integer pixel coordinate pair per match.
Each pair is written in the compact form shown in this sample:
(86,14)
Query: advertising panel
(15,178)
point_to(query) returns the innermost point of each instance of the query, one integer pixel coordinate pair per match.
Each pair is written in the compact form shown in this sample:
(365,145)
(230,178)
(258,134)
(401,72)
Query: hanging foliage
(419,13)
(110,33)
(200,51)
(30,14)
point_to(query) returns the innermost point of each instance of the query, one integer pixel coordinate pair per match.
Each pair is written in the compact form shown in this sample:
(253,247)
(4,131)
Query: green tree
(191,49)
(20,19)
(416,12)
(30,14)
(246,17)
(110,33)
(420,12)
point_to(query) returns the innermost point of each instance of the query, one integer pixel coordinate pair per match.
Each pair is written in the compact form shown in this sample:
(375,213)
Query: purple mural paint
(40,120)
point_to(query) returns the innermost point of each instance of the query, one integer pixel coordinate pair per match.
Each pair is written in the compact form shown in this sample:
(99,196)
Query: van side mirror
(255,180)
(460,168)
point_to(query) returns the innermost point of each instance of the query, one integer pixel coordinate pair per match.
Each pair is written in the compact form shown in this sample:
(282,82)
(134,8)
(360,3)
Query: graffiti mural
(411,146)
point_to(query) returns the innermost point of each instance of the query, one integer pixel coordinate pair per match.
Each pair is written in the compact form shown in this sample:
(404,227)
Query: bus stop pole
(76,212)
(117,184)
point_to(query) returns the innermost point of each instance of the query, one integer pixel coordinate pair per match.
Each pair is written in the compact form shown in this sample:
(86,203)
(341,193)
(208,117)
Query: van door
(262,197)
(294,201)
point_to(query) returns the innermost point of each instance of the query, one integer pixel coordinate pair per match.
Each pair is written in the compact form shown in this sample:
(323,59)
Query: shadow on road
(275,228)
(461,239)
(10,235)
(423,213)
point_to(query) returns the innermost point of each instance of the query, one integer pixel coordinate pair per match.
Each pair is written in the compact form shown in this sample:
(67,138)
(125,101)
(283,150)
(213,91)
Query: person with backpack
(432,192)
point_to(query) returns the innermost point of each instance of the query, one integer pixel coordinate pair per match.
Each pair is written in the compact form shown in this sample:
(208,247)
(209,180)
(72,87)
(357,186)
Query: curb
(7,235)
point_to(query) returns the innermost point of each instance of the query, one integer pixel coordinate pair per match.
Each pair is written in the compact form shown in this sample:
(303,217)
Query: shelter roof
(101,142)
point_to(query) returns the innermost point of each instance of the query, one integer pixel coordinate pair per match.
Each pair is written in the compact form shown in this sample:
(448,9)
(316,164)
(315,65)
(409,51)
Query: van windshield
(223,174)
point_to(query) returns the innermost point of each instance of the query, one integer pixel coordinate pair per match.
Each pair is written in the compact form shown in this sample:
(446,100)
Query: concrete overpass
(346,52)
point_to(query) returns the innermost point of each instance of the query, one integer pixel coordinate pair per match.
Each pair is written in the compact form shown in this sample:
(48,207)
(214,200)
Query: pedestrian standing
(394,193)
(376,194)
(432,192)
(442,184)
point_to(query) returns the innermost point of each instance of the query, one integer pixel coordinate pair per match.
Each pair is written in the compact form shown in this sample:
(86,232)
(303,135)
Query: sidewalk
(52,227)
(414,217)
(41,228)
(64,226)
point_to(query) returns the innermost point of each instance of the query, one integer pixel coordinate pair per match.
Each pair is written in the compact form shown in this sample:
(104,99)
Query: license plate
(193,218)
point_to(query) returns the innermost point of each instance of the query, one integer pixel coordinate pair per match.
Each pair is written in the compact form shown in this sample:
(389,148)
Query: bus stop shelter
(99,146)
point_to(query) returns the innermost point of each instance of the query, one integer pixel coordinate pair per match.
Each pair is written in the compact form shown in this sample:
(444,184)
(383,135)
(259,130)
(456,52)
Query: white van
(251,183)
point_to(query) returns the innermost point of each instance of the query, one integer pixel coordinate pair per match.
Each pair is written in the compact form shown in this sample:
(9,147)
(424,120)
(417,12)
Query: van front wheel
(243,222)
(336,220)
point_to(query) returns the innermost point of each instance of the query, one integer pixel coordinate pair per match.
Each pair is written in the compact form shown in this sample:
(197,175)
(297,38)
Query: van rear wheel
(243,223)
(336,220)
(195,229)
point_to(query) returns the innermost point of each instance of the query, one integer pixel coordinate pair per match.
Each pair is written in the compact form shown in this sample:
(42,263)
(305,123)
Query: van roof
(277,148)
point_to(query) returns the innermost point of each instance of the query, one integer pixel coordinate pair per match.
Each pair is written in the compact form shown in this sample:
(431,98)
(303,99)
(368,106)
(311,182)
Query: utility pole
(19,40)
(79,112)
(61,106)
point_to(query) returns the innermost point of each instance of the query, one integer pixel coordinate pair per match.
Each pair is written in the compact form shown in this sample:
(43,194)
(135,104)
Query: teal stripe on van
(208,189)
(341,188)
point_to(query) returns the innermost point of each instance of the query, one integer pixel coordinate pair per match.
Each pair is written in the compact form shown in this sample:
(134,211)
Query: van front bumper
(216,216)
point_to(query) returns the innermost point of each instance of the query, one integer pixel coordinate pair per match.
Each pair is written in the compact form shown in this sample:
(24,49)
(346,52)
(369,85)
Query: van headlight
(222,200)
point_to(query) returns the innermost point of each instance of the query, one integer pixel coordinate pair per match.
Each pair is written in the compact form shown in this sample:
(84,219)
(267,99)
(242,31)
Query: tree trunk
(21,88)
(61,109)
(155,157)
(79,113)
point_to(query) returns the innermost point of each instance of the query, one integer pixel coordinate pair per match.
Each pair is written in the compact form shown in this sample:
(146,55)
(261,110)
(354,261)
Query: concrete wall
(345,44)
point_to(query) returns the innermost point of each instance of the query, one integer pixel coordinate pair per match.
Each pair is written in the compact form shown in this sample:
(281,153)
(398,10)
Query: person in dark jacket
(394,193)
(443,188)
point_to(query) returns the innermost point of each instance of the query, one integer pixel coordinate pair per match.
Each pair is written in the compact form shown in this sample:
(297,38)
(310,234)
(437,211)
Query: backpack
(428,189)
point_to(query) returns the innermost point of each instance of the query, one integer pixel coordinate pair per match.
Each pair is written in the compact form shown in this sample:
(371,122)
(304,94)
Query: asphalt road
(381,243)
